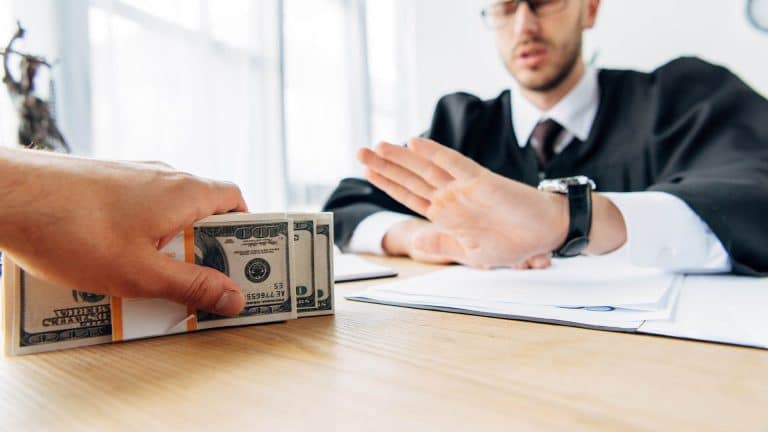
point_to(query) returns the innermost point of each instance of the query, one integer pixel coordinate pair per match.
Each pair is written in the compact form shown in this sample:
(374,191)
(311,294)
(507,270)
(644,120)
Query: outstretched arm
(97,226)
(495,221)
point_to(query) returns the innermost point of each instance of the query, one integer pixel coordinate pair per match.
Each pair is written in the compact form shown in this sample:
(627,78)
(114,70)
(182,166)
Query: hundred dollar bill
(304,260)
(324,285)
(42,317)
(256,251)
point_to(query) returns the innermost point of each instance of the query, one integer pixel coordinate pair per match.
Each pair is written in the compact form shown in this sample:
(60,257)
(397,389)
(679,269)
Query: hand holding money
(281,263)
(96,226)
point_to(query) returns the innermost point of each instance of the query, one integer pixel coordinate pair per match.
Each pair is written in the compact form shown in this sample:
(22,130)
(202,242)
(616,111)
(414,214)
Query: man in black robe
(679,156)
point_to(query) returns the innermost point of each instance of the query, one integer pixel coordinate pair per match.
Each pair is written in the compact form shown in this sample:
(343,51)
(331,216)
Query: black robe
(689,128)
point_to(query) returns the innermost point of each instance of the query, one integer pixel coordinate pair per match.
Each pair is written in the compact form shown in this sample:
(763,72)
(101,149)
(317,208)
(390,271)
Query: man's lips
(532,56)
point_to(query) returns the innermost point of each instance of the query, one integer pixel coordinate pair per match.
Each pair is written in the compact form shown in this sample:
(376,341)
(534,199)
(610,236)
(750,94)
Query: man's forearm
(21,183)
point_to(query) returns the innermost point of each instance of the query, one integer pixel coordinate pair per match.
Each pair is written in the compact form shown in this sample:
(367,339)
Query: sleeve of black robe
(355,199)
(711,135)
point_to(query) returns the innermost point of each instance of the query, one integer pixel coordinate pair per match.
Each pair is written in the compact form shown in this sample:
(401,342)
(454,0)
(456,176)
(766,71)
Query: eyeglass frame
(485,15)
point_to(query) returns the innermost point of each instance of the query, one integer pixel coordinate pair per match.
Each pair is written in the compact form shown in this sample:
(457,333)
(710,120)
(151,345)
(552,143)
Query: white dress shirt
(662,231)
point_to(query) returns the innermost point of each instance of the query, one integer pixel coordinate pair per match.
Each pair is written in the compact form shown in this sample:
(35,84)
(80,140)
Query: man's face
(541,50)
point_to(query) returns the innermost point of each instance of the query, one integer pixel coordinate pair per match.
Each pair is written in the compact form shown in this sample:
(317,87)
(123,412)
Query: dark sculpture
(37,125)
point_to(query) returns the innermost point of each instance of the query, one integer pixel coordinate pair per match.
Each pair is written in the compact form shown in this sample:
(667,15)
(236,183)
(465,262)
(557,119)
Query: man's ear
(590,13)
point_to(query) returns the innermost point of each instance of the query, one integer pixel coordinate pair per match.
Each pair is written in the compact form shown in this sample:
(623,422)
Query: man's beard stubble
(562,73)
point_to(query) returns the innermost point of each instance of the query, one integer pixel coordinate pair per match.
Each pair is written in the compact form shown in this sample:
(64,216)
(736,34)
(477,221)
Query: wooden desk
(377,367)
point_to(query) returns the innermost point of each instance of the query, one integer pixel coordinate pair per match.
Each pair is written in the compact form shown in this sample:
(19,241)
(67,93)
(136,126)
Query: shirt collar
(575,112)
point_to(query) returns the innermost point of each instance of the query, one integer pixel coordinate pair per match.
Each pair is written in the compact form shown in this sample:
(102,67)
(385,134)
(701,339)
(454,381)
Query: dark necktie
(543,140)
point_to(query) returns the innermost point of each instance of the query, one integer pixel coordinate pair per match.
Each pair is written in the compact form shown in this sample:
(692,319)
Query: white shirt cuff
(663,232)
(370,232)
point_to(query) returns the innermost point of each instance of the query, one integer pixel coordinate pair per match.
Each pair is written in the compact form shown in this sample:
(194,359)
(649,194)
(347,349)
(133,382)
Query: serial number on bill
(255,296)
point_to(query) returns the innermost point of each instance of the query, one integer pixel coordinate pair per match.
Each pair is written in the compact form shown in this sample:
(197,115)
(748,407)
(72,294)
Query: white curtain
(194,83)
(344,88)
(316,95)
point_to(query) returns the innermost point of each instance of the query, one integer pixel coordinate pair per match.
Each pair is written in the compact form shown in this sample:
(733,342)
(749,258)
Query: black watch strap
(580,216)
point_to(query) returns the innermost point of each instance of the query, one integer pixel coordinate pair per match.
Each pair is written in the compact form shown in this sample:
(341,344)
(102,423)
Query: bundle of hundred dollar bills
(283,263)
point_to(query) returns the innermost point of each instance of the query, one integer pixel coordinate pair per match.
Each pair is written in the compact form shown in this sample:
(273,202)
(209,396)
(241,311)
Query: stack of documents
(596,292)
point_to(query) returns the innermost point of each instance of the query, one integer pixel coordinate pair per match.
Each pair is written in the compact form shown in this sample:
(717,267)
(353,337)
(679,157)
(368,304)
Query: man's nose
(525,22)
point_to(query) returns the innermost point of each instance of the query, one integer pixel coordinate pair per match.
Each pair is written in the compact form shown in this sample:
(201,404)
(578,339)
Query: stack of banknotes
(283,263)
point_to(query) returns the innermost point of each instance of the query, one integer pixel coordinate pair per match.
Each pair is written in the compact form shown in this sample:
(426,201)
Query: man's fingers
(226,198)
(454,163)
(409,180)
(395,173)
(403,156)
(193,285)
(398,192)
(431,259)
(540,262)
(205,198)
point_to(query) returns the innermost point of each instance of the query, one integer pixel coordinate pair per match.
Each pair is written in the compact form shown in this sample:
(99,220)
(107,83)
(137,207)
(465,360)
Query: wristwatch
(579,190)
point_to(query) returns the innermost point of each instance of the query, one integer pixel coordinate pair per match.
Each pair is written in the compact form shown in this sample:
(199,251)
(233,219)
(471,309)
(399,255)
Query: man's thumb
(201,287)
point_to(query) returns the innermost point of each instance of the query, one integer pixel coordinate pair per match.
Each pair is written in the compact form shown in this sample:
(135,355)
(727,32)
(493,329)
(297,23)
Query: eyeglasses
(498,14)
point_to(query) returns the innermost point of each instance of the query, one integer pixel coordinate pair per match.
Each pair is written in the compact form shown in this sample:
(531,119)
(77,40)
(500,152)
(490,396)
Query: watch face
(561,184)
(573,247)
(576,180)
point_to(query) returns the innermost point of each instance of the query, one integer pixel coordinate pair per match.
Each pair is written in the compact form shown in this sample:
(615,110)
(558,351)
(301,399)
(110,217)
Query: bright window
(189,82)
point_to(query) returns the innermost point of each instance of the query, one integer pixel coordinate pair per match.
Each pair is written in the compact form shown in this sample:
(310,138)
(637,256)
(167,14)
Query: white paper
(352,267)
(615,318)
(581,281)
(592,291)
(729,309)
